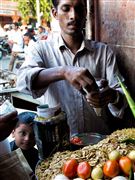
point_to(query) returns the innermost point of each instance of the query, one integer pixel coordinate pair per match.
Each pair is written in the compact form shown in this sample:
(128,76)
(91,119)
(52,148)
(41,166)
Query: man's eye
(65,8)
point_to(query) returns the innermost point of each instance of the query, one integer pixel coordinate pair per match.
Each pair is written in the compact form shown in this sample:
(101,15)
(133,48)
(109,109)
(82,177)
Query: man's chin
(73,32)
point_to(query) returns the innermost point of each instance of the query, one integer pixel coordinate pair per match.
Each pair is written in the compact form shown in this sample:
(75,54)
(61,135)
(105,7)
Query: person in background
(33,34)
(28,42)
(17,45)
(42,33)
(78,73)
(25,139)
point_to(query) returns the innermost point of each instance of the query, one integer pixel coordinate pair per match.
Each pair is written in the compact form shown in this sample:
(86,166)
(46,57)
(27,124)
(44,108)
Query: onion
(119,178)
(131,155)
(61,177)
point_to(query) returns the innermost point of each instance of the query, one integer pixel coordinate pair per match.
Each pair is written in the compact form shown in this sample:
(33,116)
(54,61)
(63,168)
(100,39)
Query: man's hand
(7,123)
(102,98)
(80,78)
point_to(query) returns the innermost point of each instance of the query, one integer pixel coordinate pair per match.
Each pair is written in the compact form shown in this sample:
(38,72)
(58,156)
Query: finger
(94,99)
(89,75)
(77,85)
(103,83)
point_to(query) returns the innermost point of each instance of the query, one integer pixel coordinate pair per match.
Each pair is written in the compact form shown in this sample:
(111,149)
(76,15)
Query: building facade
(9,12)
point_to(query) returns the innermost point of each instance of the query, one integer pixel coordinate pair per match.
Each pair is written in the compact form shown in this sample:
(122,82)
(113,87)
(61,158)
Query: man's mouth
(72,23)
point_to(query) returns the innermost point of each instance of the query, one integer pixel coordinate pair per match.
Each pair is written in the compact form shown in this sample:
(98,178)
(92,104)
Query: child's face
(24,136)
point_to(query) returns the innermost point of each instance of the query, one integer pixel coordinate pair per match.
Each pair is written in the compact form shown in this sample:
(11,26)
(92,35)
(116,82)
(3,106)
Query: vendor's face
(24,136)
(71,15)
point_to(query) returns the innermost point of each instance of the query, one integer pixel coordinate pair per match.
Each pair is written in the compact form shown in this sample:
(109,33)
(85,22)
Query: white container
(46,112)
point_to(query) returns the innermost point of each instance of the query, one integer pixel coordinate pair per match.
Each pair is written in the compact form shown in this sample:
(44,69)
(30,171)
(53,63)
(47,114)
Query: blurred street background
(4,62)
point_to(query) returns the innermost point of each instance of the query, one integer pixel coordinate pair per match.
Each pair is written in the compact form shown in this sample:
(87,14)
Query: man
(32,33)
(28,42)
(42,33)
(64,68)
(16,40)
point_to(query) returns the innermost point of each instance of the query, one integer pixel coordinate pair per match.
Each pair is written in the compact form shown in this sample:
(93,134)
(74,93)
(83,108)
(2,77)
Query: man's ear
(54,13)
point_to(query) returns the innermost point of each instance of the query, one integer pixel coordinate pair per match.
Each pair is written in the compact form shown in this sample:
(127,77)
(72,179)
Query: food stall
(95,155)
(120,144)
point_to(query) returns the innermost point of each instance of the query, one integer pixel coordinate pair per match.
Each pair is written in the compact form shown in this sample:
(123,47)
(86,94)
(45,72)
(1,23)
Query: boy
(25,139)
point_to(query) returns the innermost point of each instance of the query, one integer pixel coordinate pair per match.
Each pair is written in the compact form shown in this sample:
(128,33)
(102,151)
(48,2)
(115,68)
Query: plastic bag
(14,166)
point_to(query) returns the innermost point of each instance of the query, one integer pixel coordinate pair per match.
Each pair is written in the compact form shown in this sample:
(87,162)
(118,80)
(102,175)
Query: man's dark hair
(41,27)
(28,34)
(30,30)
(56,2)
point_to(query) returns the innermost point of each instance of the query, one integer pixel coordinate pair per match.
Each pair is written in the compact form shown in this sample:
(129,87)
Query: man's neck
(73,42)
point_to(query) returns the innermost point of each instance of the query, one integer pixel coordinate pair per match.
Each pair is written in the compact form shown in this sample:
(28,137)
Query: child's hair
(25,118)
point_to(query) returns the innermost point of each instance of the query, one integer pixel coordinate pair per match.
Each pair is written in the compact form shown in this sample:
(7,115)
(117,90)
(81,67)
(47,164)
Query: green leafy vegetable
(128,97)
(129,140)
(131,175)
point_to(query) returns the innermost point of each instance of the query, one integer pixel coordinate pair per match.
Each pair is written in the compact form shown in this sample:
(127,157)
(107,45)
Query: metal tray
(88,138)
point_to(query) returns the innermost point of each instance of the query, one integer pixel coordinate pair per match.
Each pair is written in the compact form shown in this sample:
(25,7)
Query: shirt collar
(86,44)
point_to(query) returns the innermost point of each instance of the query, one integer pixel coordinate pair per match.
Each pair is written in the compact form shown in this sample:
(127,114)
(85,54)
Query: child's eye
(22,133)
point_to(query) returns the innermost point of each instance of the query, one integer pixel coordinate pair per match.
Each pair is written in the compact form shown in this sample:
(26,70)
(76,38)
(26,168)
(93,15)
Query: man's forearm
(48,76)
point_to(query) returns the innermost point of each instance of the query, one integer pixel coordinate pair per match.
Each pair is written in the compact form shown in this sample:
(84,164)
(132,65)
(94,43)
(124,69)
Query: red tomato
(125,164)
(70,168)
(76,140)
(84,170)
(111,168)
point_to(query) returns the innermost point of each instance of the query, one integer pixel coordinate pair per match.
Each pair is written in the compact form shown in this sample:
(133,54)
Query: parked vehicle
(4,47)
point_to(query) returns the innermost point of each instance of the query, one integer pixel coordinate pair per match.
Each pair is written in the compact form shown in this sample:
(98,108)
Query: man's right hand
(80,78)
(7,123)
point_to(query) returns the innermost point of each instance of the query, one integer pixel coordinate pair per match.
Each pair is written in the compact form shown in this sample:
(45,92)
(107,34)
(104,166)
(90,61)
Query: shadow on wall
(126,66)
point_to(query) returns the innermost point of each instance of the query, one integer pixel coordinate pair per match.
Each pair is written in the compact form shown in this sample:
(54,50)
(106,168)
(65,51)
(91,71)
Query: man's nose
(72,13)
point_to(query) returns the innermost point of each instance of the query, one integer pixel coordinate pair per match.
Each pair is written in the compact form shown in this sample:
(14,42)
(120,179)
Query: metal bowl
(88,139)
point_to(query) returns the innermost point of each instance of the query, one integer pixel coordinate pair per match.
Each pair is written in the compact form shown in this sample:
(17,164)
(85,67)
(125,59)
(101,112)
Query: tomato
(76,140)
(125,164)
(84,170)
(70,168)
(111,168)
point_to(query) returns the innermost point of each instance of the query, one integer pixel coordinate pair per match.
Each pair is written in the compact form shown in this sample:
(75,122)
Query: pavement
(4,62)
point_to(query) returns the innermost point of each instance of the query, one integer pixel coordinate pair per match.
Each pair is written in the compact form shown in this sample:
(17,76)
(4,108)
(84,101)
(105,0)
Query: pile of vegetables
(111,157)
(116,167)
